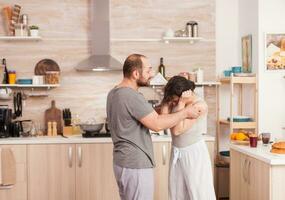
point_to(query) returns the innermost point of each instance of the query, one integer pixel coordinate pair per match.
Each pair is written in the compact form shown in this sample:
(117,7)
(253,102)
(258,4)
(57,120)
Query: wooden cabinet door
(51,172)
(258,179)
(19,190)
(162,157)
(94,172)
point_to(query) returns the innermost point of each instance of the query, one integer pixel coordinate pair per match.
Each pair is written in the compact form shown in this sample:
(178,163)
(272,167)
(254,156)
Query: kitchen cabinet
(51,172)
(94,172)
(250,178)
(79,171)
(71,171)
(19,190)
(162,157)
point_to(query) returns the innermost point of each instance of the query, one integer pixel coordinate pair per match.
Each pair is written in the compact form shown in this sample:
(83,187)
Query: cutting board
(53,114)
(46,65)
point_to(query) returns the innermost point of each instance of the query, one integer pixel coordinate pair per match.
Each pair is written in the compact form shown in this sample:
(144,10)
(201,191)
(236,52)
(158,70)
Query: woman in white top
(190,171)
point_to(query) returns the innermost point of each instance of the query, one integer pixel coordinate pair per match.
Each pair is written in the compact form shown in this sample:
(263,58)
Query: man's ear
(136,74)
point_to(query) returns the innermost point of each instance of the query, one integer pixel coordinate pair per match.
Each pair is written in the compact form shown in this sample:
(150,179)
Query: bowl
(6,94)
(227,73)
(91,127)
(240,119)
(225,156)
(25,81)
(236,69)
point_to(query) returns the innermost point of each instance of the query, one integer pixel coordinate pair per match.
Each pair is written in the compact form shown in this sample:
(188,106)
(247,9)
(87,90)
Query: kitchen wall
(65,28)
(271,84)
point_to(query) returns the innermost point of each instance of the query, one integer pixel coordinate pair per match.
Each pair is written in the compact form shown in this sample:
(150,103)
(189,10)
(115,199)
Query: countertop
(261,153)
(77,139)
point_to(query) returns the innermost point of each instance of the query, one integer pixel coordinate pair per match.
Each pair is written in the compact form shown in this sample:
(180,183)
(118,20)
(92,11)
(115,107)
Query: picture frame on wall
(246,45)
(275,51)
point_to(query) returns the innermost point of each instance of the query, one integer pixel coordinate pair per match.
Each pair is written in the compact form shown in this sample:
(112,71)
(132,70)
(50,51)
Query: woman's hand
(186,97)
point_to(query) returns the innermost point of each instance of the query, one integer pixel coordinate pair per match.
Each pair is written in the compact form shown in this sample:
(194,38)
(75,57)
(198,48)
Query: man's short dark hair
(132,63)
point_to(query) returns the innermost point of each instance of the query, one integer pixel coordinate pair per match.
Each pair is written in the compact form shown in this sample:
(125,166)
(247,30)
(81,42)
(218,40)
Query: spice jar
(12,77)
(52,77)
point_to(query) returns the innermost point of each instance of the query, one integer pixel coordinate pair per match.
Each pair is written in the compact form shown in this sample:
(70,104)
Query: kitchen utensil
(265,138)
(169,33)
(91,127)
(24,19)
(66,116)
(200,75)
(46,65)
(15,17)
(5,120)
(26,127)
(7,12)
(191,29)
(225,156)
(95,134)
(38,80)
(236,69)
(54,114)
(52,77)
(240,119)
(17,101)
(24,81)
(6,94)
(195,29)
(227,73)
(253,141)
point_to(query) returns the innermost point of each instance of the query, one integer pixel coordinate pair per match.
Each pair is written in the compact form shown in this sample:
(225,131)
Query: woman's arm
(185,124)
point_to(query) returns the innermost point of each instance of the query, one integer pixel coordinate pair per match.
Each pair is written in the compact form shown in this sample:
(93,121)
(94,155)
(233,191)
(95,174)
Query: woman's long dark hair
(176,86)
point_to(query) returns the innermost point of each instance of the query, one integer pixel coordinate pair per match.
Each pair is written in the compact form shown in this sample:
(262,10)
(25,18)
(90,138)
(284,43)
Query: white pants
(190,173)
(134,184)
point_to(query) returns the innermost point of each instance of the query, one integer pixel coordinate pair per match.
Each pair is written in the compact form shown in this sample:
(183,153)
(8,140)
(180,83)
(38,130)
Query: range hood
(100,60)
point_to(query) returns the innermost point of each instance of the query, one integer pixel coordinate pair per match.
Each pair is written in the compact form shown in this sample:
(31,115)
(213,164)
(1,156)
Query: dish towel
(7,167)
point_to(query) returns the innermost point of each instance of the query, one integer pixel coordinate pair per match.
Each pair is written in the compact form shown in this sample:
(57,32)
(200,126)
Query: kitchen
(65,30)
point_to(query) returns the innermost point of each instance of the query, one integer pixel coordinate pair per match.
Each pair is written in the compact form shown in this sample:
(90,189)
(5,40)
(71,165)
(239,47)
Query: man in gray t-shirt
(130,117)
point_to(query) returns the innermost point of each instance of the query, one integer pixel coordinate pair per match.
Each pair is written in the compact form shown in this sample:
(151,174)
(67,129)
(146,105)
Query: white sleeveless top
(192,135)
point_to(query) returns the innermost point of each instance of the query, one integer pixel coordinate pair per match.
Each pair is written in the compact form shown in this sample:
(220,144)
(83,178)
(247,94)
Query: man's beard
(141,82)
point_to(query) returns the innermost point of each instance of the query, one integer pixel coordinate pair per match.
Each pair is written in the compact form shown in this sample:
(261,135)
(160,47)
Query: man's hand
(192,112)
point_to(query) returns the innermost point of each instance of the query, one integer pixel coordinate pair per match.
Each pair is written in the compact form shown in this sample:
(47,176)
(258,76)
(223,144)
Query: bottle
(200,76)
(5,74)
(161,68)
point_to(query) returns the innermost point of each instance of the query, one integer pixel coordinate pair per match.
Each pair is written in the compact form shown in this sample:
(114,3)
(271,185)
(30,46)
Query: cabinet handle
(70,156)
(244,170)
(6,187)
(164,155)
(79,151)
(248,170)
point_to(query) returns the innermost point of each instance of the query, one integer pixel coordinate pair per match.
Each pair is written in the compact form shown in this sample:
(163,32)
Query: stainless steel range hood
(100,60)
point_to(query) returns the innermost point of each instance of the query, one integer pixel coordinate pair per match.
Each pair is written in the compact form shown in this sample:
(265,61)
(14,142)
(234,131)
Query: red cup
(253,141)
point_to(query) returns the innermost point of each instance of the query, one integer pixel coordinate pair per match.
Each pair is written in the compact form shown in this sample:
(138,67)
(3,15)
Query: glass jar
(52,77)
(12,77)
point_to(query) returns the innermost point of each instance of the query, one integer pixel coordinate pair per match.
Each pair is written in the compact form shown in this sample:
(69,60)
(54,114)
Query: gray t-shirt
(132,140)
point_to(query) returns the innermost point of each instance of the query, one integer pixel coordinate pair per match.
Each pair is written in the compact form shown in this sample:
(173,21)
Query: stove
(94,134)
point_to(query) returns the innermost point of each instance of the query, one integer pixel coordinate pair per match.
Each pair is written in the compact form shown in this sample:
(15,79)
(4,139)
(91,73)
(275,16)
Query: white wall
(271,84)
(226,52)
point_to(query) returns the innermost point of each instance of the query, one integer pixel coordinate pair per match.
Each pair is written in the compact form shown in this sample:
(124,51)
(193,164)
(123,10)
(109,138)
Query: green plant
(34,27)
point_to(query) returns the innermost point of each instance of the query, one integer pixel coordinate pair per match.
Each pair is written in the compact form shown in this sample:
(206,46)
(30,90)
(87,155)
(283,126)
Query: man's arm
(157,122)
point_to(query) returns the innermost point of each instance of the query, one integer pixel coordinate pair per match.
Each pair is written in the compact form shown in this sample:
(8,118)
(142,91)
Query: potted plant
(34,31)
